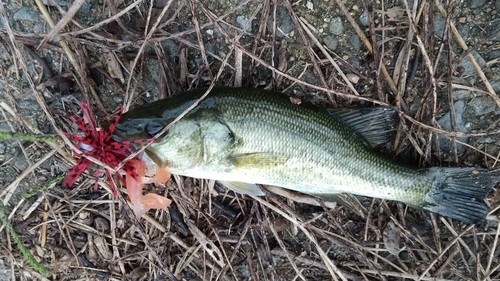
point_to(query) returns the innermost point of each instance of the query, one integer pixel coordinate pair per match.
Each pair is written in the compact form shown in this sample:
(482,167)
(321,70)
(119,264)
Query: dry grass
(210,233)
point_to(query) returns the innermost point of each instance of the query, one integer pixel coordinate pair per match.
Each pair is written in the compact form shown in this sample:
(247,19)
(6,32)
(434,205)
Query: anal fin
(347,200)
(243,187)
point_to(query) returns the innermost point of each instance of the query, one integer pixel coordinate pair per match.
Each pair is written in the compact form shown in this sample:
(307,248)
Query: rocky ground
(440,72)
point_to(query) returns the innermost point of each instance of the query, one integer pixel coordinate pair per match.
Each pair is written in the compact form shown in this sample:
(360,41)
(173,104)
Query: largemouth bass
(244,137)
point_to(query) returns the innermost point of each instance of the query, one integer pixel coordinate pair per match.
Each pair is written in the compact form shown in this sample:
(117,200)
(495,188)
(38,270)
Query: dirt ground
(436,62)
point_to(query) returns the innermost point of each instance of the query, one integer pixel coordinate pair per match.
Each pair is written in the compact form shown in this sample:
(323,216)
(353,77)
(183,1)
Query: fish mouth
(154,158)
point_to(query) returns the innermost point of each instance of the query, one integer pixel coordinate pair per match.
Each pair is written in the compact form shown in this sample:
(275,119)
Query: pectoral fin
(243,188)
(257,160)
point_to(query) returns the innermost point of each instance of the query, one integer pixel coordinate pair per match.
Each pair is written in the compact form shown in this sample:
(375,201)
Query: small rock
(336,26)
(463,30)
(21,164)
(310,5)
(353,61)
(101,224)
(392,239)
(27,14)
(363,19)
(244,271)
(468,66)
(118,99)
(28,104)
(487,139)
(4,127)
(460,94)
(477,4)
(61,3)
(439,22)
(330,42)
(483,105)
(210,47)
(283,21)
(355,42)
(492,55)
(170,47)
(224,26)
(39,28)
(445,123)
(353,78)
(243,22)
(496,86)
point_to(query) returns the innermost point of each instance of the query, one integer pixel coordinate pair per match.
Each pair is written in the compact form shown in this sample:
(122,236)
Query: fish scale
(321,145)
(258,137)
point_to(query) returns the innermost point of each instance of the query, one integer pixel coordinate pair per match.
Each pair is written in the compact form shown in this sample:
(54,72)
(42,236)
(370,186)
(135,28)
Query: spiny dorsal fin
(375,124)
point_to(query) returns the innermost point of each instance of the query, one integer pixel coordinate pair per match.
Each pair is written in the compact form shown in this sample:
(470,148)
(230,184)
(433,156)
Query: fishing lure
(99,144)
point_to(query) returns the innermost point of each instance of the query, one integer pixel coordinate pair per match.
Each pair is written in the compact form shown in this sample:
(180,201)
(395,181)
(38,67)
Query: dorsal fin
(375,124)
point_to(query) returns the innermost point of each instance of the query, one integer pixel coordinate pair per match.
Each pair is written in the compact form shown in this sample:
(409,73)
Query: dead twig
(471,57)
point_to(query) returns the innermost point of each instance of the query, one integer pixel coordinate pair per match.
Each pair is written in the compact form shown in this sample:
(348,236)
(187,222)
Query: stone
(27,14)
(244,21)
(440,22)
(330,42)
(363,19)
(336,26)
(355,42)
(61,3)
(445,123)
(469,69)
(284,23)
(477,4)
(483,106)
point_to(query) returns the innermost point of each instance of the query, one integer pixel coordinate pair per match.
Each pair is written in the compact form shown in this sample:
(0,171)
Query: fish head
(146,121)
(178,147)
(196,144)
(199,141)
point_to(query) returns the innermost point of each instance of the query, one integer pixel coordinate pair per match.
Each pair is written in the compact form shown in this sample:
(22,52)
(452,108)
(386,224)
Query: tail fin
(459,193)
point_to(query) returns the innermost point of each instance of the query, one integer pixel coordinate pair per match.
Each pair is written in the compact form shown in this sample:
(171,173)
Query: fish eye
(153,127)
